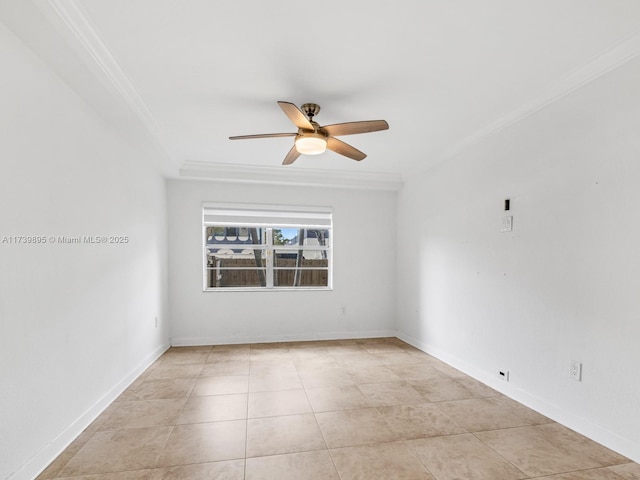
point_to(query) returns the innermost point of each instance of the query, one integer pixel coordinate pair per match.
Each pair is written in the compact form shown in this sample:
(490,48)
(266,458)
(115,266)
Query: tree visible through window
(260,248)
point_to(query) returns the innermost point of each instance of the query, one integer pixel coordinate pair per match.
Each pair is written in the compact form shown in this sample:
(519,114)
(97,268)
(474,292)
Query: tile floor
(349,409)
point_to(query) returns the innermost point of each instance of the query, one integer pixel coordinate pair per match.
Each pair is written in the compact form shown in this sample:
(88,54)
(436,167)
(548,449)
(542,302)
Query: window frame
(275,217)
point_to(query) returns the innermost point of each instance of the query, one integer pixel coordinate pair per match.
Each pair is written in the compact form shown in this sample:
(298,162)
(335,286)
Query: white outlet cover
(507,223)
(575,371)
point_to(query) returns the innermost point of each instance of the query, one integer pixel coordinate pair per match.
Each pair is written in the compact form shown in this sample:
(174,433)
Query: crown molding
(76,20)
(290,176)
(607,61)
(72,21)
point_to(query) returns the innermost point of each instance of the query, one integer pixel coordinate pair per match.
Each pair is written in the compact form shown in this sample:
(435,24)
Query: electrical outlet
(504,375)
(507,223)
(156,323)
(575,372)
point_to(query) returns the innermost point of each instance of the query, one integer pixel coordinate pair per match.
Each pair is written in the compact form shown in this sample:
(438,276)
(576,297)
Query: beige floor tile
(262,366)
(134,386)
(529,449)
(565,438)
(358,360)
(479,414)
(419,421)
(176,356)
(416,371)
(312,363)
(204,442)
(327,399)
(375,348)
(307,350)
(411,349)
(354,427)
(373,340)
(379,461)
(462,457)
(421,355)
(222,385)
(628,471)
(190,349)
(226,368)
(378,374)
(447,370)
(271,382)
(159,389)
(285,434)
(398,358)
(59,463)
(595,474)
(273,404)
(224,470)
(325,377)
(266,369)
(442,389)
(268,357)
(316,465)
(530,416)
(228,355)
(118,450)
(176,371)
(393,393)
(478,389)
(272,356)
(345,349)
(145,413)
(214,408)
(103,417)
(131,475)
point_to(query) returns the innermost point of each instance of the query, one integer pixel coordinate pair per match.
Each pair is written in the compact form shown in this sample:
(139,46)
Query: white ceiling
(444,74)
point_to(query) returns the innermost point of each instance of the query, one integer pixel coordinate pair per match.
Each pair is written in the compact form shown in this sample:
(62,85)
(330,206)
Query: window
(255,247)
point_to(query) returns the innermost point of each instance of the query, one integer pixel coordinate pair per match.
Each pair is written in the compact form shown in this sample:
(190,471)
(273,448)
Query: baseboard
(47,454)
(294,337)
(585,427)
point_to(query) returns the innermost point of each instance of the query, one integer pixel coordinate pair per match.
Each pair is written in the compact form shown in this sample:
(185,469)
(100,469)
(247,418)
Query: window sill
(275,289)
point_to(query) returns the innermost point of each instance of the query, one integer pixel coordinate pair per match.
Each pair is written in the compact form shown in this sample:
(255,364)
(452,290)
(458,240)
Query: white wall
(564,285)
(77,321)
(363,277)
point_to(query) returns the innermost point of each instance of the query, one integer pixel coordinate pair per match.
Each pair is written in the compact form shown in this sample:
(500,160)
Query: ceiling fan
(313,139)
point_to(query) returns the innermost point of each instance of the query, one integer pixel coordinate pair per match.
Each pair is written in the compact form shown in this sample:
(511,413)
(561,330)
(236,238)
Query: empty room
(330,241)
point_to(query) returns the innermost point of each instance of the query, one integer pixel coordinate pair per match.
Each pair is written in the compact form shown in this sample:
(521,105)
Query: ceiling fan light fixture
(313,139)
(311,144)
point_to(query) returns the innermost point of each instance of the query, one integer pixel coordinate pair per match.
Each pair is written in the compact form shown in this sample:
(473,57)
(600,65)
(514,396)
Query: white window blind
(266,216)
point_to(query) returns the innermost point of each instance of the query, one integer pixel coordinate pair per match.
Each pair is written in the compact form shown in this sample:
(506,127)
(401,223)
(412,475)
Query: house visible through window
(266,247)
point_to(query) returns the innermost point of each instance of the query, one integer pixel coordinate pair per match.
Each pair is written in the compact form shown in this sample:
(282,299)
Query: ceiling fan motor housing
(311,110)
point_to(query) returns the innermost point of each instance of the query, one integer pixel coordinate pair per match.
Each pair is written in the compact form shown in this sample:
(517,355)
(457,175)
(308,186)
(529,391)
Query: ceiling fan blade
(351,128)
(295,115)
(263,135)
(292,156)
(345,149)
